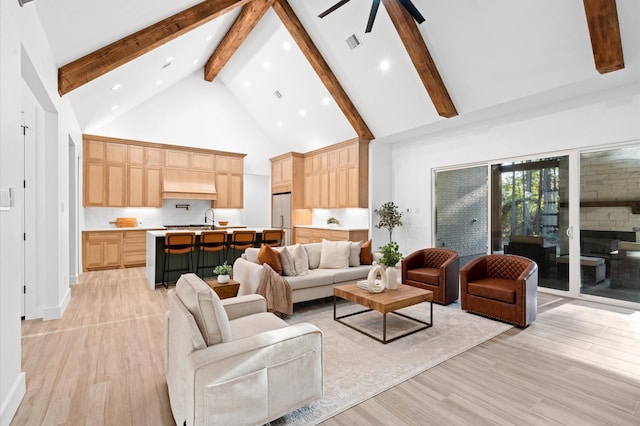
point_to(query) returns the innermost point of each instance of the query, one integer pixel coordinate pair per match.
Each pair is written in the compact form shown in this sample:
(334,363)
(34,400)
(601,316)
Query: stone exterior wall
(612,175)
(462,217)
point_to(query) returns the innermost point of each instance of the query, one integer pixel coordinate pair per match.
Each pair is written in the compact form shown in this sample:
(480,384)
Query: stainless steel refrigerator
(281,214)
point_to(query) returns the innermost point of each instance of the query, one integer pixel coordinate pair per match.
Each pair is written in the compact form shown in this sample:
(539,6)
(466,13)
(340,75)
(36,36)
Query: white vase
(392,277)
(223,279)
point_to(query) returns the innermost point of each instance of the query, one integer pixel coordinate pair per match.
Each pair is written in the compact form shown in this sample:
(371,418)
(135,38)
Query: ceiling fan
(374,10)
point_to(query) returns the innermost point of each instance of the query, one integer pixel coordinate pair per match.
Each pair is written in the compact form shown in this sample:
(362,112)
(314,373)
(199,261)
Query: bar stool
(241,240)
(273,237)
(211,242)
(177,243)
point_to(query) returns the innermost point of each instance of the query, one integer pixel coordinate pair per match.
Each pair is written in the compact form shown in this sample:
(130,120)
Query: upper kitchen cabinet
(124,173)
(337,176)
(286,170)
(229,181)
(104,173)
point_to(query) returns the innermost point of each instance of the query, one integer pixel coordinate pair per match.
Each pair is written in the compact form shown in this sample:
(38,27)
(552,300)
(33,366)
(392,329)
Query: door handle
(569,232)
(282,221)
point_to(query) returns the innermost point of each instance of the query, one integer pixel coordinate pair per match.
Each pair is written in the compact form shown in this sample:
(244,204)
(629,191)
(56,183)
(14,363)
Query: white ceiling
(494,56)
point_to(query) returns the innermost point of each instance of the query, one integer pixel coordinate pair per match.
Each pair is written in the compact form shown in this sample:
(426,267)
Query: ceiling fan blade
(372,15)
(412,10)
(332,8)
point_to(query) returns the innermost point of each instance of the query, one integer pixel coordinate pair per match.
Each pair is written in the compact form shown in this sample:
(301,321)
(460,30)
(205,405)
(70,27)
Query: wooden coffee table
(386,302)
(225,290)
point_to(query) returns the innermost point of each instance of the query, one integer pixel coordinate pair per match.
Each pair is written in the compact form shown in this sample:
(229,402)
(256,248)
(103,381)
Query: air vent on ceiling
(277,94)
(353,41)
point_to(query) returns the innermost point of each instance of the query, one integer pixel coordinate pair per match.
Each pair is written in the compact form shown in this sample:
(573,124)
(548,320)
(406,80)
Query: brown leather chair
(177,243)
(501,286)
(211,242)
(434,269)
(240,241)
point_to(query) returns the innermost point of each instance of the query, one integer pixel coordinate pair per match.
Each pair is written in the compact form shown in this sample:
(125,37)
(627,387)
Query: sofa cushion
(300,260)
(271,257)
(286,259)
(251,254)
(350,274)
(354,253)
(315,278)
(424,275)
(251,325)
(206,308)
(314,250)
(366,256)
(500,289)
(334,254)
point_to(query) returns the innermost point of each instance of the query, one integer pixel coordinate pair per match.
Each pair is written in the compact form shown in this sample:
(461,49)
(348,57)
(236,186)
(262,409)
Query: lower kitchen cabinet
(316,235)
(113,249)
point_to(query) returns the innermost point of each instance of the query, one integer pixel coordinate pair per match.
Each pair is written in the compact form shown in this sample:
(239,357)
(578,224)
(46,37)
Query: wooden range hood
(189,185)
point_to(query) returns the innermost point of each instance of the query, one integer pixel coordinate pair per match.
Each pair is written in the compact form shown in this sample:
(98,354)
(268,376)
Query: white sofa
(315,284)
(230,362)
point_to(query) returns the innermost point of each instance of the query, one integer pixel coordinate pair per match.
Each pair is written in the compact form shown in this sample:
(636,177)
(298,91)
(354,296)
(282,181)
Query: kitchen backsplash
(99,217)
(349,218)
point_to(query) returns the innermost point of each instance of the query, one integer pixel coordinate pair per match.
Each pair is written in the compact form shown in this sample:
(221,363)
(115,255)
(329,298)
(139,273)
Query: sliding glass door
(610,223)
(530,215)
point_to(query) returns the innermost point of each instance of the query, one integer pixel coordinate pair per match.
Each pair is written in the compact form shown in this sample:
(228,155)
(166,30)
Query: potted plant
(224,272)
(390,257)
(332,221)
(390,217)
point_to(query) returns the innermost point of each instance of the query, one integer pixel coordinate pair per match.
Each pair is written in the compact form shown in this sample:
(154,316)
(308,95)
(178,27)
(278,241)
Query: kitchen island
(155,254)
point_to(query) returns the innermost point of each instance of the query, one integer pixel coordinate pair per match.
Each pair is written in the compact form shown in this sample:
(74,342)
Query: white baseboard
(55,312)
(11,403)
(73,280)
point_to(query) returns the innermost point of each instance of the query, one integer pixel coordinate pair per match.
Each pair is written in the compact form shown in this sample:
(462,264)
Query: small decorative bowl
(223,222)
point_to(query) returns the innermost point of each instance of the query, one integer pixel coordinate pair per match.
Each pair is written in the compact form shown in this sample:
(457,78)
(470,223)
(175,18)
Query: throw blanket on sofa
(276,290)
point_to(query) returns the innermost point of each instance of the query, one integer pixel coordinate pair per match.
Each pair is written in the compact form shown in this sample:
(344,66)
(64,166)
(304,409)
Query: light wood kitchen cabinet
(229,182)
(144,186)
(285,170)
(316,235)
(113,249)
(134,248)
(337,176)
(101,250)
(122,173)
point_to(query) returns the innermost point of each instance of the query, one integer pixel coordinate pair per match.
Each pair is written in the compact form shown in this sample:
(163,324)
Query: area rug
(357,367)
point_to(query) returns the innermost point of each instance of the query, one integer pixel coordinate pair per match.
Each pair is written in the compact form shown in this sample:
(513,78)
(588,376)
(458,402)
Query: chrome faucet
(206,217)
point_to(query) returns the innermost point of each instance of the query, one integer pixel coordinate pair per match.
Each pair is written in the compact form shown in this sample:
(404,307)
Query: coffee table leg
(384,328)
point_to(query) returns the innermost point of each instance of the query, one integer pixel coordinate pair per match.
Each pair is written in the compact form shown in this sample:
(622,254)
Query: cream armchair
(231,362)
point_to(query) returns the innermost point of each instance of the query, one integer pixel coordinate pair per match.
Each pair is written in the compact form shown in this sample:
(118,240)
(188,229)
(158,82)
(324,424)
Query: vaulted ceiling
(467,58)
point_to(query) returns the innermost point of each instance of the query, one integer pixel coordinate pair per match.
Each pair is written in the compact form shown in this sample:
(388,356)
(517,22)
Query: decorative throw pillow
(270,257)
(335,254)
(366,257)
(300,260)
(354,253)
(314,250)
(286,259)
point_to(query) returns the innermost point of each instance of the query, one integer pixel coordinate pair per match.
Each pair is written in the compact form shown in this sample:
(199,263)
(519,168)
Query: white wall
(196,113)
(25,56)
(609,117)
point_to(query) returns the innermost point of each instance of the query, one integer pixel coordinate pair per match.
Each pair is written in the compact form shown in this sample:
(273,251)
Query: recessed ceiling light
(208,38)
(266,65)
(170,58)
(286,45)
(279,124)
(326,101)
(114,107)
(384,65)
(247,84)
(195,61)
(302,112)
(159,82)
(115,86)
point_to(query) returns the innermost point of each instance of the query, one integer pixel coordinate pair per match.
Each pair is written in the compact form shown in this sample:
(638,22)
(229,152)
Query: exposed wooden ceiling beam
(110,57)
(247,20)
(604,30)
(421,58)
(320,66)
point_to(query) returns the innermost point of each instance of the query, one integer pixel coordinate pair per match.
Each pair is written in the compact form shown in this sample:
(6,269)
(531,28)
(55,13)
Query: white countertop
(163,232)
(133,228)
(336,228)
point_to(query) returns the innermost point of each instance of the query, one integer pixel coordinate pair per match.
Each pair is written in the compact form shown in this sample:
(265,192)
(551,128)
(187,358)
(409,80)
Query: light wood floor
(103,363)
